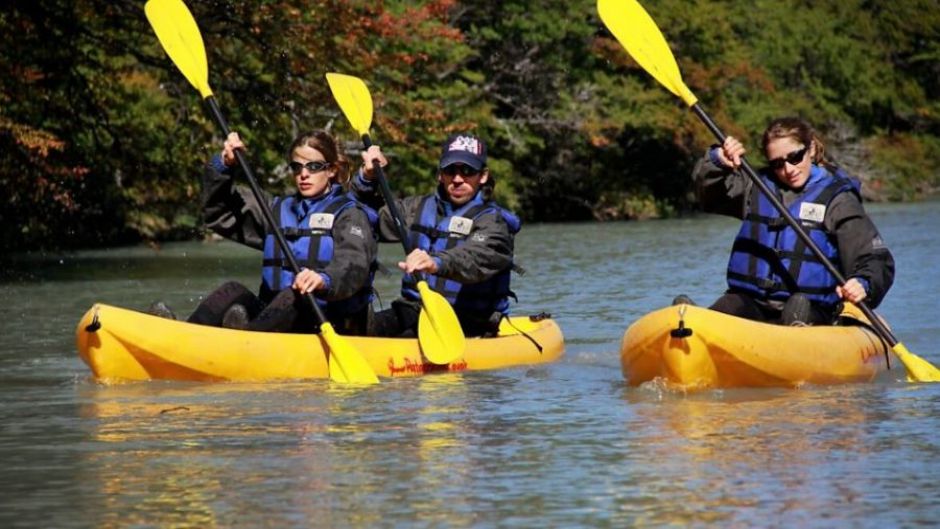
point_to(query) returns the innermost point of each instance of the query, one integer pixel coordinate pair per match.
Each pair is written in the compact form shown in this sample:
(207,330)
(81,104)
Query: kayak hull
(710,349)
(124,345)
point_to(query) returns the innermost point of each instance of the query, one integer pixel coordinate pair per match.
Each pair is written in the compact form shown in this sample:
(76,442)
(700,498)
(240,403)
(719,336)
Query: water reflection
(793,452)
(185,454)
(193,442)
(560,445)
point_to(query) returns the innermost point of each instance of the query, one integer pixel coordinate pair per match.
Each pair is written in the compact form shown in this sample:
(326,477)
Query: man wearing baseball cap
(463,240)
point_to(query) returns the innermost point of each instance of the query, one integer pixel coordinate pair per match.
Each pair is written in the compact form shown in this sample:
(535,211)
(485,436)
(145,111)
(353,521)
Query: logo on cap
(466,143)
(466,149)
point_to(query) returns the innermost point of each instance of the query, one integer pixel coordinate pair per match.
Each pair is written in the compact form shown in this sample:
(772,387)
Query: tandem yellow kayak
(694,347)
(122,345)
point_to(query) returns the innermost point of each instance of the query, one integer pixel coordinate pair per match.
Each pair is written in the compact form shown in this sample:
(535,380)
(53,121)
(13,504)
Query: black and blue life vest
(770,261)
(433,235)
(308,228)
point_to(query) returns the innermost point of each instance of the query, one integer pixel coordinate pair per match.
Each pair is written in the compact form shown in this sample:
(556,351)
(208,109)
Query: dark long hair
(324,142)
(800,130)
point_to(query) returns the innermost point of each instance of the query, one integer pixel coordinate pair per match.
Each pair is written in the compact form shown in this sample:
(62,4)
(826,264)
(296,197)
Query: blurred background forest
(102,140)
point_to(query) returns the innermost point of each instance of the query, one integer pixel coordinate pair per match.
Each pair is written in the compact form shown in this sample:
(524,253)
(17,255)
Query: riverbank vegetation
(102,141)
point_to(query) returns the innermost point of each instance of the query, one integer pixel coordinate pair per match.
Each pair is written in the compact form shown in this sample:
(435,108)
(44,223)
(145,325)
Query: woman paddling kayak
(772,275)
(330,235)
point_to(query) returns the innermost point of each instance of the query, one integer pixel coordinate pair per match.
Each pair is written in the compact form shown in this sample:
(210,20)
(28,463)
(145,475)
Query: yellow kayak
(120,344)
(694,347)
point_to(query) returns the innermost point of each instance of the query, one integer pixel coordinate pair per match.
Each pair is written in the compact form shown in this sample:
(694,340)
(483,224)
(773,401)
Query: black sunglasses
(793,158)
(462,170)
(313,167)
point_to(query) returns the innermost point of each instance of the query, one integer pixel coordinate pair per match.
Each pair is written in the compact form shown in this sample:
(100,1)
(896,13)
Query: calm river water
(563,445)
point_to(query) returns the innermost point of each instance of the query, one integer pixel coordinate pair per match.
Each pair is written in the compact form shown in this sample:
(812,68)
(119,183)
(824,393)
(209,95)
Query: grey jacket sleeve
(365,191)
(862,252)
(354,250)
(229,210)
(718,189)
(487,251)
(369,194)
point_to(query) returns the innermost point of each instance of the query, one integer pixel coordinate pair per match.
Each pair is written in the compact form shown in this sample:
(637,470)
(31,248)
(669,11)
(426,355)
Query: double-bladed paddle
(439,333)
(180,37)
(632,26)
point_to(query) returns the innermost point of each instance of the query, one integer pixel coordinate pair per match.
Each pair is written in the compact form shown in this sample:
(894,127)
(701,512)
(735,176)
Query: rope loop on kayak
(95,324)
(681,331)
(541,316)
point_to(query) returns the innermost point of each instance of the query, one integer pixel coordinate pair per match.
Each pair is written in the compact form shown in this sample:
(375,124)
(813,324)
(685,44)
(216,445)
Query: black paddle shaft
(795,224)
(390,200)
(265,208)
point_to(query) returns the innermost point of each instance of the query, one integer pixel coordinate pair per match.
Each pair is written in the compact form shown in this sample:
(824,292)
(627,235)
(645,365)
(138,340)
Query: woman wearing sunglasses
(463,240)
(330,235)
(772,275)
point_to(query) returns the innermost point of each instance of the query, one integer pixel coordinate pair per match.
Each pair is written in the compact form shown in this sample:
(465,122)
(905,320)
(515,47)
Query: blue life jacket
(770,261)
(310,238)
(435,235)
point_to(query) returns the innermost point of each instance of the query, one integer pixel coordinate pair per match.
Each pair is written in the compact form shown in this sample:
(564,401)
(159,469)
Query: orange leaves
(717,78)
(32,140)
(599,141)
(34,172)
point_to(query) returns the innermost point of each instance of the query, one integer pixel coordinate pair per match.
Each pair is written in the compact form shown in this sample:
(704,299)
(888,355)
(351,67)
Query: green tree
(105,140)
(102,140)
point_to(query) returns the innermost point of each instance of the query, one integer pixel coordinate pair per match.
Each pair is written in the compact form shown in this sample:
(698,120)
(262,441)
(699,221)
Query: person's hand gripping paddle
(439,332)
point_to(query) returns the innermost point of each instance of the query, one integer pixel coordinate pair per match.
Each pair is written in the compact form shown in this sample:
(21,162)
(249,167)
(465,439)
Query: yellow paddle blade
(439,333)
(178,34)
(353,98)
(638,34)
(918,369)
(347,365)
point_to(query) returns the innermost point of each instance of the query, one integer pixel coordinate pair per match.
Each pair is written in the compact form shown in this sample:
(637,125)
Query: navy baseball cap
(466,149)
